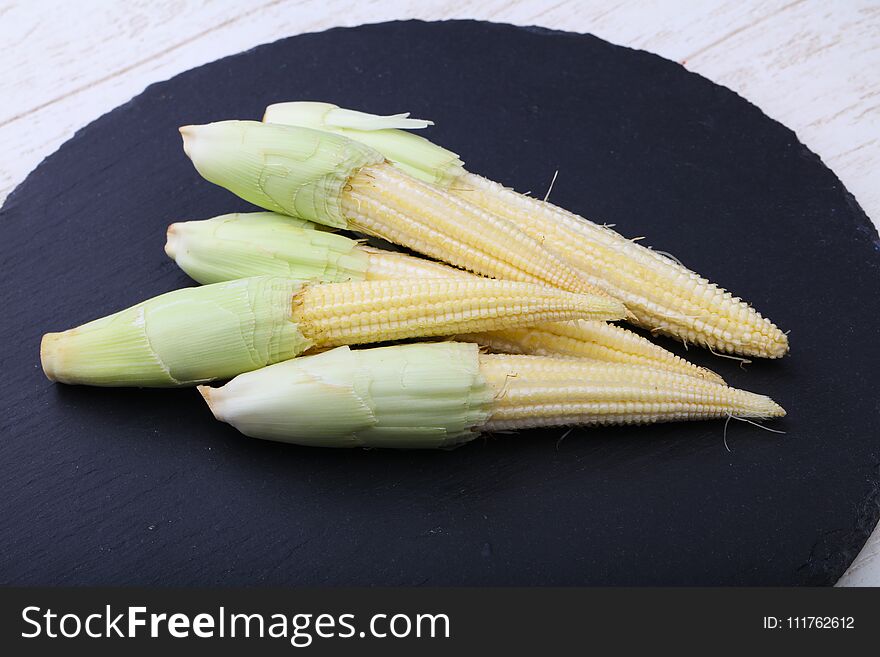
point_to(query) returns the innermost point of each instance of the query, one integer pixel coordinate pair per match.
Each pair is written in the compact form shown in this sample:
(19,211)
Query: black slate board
(144,487)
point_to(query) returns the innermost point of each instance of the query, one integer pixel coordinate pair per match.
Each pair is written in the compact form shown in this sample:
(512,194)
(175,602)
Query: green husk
(406,396)
(291,170)
(181,338)
(263,243)
(416,155)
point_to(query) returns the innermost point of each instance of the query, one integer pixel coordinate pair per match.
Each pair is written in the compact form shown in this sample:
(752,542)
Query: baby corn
(239,245)
(536,391)
(376,311)
(663,295)
(595,341)
(217,331)
(440,394)
(329,179)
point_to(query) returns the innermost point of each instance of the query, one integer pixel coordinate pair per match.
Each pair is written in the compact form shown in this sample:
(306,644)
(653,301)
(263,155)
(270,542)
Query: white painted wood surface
(812,64)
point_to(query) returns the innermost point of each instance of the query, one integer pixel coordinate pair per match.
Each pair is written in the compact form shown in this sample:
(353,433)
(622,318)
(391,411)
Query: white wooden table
(812,64)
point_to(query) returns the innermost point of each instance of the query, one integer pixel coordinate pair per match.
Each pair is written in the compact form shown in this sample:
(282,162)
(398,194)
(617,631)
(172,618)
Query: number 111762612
(809,623)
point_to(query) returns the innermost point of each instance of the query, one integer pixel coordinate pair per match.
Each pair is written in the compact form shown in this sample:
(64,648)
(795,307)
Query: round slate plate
(144,487)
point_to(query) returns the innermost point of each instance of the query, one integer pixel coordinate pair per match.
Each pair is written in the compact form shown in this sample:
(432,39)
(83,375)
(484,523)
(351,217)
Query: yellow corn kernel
(353,313)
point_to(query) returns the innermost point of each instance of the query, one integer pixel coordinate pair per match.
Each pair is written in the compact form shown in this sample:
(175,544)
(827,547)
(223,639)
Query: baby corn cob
(663,296)
(376,311)
(594,341)
(536,391)
(338,182)
(442,394)
(239,245)
(217,331)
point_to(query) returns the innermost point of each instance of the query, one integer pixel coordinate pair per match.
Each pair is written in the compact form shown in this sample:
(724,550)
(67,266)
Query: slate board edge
(869,508)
